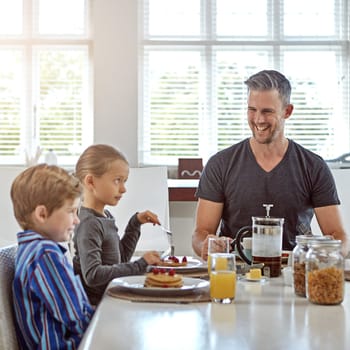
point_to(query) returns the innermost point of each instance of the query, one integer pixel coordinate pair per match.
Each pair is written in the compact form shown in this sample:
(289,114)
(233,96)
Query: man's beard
(263,140)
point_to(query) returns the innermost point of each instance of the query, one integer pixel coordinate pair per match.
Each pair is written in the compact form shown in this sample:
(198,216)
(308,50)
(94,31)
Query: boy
(51,308)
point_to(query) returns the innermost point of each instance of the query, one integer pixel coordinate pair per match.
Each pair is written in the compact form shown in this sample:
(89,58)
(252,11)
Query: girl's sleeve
(130,238)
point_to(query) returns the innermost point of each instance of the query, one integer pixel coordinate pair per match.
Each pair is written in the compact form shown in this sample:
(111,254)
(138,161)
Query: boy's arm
(63,296)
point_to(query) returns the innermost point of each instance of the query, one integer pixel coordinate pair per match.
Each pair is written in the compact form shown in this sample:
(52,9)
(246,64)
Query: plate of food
(183,264)
(160,284)
(254,275)
(255,280)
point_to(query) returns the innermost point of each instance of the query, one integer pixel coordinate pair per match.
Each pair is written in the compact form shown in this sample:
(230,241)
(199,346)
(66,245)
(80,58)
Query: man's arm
(208,217)
(329,220)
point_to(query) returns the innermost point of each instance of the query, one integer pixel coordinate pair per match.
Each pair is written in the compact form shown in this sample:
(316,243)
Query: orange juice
(223,285)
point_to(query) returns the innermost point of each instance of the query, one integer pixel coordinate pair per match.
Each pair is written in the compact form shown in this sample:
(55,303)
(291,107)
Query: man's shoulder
(230,151)
(300,151)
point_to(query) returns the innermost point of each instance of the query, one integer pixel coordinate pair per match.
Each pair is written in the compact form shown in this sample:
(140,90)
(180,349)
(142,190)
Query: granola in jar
(325,273)
(298,261)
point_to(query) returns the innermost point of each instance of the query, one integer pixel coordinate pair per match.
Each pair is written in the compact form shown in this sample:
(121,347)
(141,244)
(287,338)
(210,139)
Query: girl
(100,254)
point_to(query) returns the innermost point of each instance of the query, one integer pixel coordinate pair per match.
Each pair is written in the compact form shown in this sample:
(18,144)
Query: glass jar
(325,272)
(298,261)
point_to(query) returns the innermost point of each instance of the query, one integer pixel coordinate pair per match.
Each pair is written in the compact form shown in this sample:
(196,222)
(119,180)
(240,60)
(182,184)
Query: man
(267,168)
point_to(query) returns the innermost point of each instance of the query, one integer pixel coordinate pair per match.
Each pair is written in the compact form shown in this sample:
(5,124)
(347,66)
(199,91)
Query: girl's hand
(152,258)
(148,216)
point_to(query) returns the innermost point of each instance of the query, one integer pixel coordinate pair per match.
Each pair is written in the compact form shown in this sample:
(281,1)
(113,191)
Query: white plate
(135,285)
(255,280)
(193,265)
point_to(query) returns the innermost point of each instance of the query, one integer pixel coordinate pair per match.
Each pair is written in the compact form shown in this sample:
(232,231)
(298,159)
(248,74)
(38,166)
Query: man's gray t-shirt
(300,182)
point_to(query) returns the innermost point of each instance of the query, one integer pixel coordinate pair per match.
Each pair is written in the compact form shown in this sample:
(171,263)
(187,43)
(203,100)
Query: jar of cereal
(325,272)
(298,261)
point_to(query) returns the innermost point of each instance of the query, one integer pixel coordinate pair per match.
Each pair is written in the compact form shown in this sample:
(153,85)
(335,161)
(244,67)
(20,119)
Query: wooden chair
(8,338)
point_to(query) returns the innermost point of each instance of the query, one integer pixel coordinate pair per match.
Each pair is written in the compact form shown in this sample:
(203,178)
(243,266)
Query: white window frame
(29,42)
(205,43)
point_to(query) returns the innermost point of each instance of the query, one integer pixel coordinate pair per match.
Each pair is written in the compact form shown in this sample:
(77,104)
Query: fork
(171,249)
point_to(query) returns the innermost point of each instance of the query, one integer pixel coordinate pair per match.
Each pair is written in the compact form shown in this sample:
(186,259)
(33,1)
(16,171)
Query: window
(196,54)
(45,80)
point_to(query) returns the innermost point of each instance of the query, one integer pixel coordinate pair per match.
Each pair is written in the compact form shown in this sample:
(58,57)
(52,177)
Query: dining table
(265,314)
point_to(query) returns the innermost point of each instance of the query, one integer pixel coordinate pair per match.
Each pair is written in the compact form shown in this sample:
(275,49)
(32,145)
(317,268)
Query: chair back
(8,338)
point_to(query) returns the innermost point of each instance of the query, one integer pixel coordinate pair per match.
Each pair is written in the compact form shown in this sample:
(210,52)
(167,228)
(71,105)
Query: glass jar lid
(303,239)
(325,243)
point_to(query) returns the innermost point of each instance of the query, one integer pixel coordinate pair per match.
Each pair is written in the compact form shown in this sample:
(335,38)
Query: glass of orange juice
(223,278)
(217,245)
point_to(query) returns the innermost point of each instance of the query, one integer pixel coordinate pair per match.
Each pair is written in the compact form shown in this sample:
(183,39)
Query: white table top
(263,316)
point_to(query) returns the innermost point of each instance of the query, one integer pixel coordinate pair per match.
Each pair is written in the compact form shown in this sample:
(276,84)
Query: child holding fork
(100,254)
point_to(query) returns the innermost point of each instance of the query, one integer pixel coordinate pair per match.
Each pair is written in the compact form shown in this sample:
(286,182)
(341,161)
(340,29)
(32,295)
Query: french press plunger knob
(268,208)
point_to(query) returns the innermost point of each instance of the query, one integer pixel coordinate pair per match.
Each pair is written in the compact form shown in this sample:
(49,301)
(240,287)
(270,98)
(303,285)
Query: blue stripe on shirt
(51,307)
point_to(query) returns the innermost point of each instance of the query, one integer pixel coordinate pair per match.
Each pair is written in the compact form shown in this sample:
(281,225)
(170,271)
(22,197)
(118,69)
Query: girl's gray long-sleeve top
(100,253)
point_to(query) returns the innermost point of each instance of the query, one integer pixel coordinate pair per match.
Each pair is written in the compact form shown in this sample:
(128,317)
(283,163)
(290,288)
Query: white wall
(115,75)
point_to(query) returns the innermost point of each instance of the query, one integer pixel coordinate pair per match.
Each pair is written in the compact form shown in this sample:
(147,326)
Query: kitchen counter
(263,316)
(182,190)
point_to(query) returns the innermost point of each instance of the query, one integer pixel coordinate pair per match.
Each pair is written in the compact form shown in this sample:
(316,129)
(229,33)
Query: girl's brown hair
(43,184)
(96,160)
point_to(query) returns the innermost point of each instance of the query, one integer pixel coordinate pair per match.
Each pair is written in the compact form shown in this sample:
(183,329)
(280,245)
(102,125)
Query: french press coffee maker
(266,235)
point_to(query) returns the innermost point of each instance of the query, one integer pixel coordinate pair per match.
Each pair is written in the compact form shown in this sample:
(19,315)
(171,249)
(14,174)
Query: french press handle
(245,231)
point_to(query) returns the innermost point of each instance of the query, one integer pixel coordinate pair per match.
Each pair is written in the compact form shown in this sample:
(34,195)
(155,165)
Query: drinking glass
(223,278)
(217,245)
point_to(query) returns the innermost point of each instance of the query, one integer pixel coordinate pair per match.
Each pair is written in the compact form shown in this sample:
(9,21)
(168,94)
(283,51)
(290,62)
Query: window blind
(45,82)
(196,54)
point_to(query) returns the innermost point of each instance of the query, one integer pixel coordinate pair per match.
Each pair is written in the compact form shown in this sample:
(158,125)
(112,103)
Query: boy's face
(59,226)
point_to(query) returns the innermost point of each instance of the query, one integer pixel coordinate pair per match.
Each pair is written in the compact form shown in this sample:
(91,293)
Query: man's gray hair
(271,80)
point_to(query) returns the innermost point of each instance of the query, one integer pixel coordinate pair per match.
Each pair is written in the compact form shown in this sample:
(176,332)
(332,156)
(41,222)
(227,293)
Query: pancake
(163,279)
